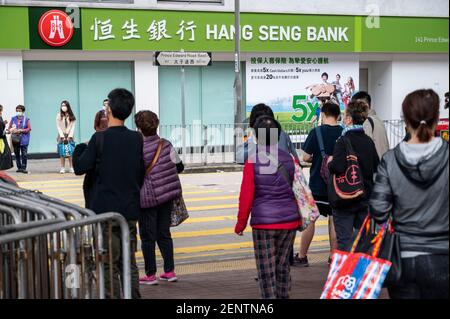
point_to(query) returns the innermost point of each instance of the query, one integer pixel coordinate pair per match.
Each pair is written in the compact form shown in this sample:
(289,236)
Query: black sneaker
(24,171)
(301,262)
(19,170)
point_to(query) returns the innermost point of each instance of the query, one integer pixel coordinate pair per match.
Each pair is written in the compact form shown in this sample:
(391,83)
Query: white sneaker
(62,171)
(72,171)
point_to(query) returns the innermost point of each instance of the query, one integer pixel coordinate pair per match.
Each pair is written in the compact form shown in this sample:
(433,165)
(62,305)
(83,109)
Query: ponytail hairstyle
(421,112)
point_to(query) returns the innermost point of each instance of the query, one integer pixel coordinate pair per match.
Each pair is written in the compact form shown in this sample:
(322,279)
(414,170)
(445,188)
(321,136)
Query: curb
(213,169)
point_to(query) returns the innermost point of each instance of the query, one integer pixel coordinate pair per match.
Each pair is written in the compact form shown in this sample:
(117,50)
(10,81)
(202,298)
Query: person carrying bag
(6,161)
(65,124)
(162,204)
(358,275)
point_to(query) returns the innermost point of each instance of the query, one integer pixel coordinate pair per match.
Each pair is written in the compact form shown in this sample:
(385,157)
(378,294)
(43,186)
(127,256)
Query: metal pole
(183,110)
(237,70)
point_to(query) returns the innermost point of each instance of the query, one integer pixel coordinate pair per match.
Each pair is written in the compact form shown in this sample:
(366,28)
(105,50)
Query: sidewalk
(52,166)
(214,281)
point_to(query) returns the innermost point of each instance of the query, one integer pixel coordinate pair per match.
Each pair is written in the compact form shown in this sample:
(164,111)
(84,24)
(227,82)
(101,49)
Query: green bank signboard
(153,30)
(165,30)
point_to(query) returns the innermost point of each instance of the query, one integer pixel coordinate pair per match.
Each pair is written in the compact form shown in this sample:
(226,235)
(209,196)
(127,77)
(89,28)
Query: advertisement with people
(295,86)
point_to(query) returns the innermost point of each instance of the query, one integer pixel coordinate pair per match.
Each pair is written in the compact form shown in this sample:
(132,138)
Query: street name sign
(173,58)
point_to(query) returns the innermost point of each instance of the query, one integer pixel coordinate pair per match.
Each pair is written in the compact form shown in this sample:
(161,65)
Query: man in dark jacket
(118,169)
(350,214)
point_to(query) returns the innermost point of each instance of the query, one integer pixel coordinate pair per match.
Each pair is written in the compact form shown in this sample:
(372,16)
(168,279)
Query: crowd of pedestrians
(407,185)
(135,173)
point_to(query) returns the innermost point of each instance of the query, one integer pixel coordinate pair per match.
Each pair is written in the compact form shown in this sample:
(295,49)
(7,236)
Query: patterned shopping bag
(357,275)
(179,212)
(66,149)
(305,199)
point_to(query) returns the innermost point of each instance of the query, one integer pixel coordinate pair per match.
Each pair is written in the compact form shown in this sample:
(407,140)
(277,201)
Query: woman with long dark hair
(65,123)
(411,187)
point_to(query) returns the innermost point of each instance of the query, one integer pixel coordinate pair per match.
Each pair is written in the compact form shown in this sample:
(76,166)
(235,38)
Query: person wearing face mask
(20,128)
(350,214)
(65,124)
(101,118)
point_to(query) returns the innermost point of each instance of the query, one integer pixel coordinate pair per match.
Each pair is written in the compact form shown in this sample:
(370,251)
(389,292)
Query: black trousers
(116,267)
(423,277)
(21,154)
(345,224)
(154,227)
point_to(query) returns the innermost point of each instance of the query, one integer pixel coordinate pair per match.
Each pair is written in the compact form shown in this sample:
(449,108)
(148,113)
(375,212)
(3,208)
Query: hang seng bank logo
(55,28)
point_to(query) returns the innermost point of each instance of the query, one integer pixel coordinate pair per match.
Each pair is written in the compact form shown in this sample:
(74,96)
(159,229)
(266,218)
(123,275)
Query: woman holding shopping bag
(65,124)
(161,189)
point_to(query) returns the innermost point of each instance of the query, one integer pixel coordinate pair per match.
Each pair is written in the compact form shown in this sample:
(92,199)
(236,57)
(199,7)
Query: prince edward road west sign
(183,58)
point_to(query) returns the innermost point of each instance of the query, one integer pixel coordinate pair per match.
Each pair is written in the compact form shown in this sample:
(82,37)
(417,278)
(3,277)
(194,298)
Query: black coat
(119,173)
(6,161)
(368,161)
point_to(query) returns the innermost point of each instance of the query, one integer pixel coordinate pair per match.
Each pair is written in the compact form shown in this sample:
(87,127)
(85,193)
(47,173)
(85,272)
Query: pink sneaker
(148,280)
(169,276)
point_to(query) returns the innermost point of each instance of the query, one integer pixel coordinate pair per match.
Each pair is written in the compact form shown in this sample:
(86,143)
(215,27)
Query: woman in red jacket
(266,193)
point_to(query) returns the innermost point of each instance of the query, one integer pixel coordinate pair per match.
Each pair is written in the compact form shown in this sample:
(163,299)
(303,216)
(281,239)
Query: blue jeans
(423,277)
(21,154)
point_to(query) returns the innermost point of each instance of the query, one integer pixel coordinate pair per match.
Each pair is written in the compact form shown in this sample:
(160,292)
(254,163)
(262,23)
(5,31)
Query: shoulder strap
(282,169)
(24,122)
(320,141)
(155,157)
(99,146)
(348,146)
(372,124)
(99,141)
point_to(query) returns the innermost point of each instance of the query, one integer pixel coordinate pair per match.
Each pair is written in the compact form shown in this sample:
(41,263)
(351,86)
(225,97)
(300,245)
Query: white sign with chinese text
(296,85)
(183,58)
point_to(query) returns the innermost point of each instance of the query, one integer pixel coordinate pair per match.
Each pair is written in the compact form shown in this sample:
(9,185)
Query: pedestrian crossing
(209,232)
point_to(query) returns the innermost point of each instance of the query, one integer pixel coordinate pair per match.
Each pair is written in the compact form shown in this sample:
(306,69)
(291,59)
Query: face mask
(19,113)
(64,109)
(105,108)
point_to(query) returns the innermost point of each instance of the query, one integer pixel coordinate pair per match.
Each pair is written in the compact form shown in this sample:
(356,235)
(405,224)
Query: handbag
(307,207)
(16,138)
(389,249)
(6,161)
(324,171)
(347,187)
(66,149)
(305,200)
(358,275)
(179,212)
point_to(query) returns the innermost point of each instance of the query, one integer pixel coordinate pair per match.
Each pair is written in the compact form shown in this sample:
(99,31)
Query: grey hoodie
(411,185)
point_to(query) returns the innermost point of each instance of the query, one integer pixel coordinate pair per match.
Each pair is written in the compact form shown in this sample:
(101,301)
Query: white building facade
(387,47)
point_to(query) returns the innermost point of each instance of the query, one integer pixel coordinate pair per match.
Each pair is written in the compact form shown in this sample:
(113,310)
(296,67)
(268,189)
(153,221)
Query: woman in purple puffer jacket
(161,186)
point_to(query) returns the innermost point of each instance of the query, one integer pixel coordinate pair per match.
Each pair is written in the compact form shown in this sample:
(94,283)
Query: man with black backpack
(352,168)
(113,159)
(318,146)
(373,126)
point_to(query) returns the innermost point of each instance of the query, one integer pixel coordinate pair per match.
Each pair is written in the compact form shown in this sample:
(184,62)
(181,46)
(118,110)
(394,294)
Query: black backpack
(91,178)
(348,187)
